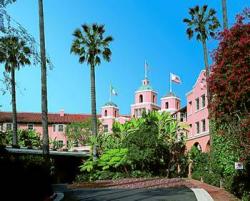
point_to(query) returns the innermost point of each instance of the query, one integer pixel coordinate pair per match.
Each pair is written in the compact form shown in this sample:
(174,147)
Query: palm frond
(196,9)
(97,60)
(82,59)
(107,54)
(90,45)
(86,28)
(198,37)
(190,33)
(77,33)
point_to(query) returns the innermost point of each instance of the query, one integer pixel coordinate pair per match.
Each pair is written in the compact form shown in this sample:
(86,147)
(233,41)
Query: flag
(113,91)
(175,78)
(146,69)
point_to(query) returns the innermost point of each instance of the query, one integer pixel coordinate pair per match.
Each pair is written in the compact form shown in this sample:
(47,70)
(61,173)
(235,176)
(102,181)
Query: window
(105,128)
(197,103)
(9,126)
(30,126)
(105,113)
(197,127)
(166,105)
(140,98)
(189,108)
(203,100)
(115,113)
(60,128)
(54,127)
(154,99)
(177,105)
(190,125)
(182,117)
(203,125)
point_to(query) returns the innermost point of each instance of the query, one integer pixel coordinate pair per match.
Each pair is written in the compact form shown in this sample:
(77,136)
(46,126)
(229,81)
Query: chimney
(61,113)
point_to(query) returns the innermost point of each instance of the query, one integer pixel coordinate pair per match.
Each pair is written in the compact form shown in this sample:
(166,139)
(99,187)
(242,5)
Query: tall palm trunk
(93,106)
(43,82)
(224,11)
(204,45)
(14,115)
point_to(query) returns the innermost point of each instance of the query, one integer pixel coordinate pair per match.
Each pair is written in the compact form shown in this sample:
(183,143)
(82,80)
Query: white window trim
(29,125)
(202,125)
(7,126)
(59,126)
(202,101)
(196,110)
(54,127)
(196,128)
(200,109)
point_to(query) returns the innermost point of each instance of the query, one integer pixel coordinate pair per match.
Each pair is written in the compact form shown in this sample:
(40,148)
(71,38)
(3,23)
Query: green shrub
(246,196)
(138,173)
(211,178)
(196,175)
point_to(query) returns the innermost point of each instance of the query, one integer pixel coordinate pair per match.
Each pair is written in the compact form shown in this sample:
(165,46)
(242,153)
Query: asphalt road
(166,194)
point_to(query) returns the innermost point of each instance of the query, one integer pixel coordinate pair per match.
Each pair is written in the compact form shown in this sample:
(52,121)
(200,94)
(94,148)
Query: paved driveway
(166,194)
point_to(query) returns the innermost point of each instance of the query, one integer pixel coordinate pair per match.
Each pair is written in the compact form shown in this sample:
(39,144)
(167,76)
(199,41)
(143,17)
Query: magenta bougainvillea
(229,82)
(229,85)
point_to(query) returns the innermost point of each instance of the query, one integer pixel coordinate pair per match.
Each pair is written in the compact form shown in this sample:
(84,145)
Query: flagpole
(110,95)
(170,83)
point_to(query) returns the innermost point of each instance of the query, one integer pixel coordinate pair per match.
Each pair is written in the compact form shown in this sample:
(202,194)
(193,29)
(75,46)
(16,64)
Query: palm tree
(224,11)
(43,82)
(203,23)
(90,45)
(13,54)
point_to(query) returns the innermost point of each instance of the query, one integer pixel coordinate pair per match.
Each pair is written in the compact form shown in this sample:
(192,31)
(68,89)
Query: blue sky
(142,29)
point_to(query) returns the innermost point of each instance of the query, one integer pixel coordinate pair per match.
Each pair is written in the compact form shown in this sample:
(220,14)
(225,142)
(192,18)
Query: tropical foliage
(149,145)
(26,138)
(78,133)
(90,45)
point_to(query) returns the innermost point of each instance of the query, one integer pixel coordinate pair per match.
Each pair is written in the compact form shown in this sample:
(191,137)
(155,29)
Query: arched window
(166,105)
(154,101)
(177,105)
(141,98)
(198,146)
(115,113)
(105,113)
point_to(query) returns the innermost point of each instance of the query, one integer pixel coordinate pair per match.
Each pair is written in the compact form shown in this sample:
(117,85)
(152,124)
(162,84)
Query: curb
(59,196)
(201,194)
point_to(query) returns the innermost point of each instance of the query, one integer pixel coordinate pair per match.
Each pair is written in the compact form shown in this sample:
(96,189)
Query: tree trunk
(224,11)
(14,115)
(207,69)
(93,107)
(43,82)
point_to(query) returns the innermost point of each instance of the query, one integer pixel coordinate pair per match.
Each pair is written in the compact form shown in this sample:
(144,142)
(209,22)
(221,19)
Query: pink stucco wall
(110,116)
(148,96)
(110,111)
(195,115)
(52,134)
(174,104)
(203,141)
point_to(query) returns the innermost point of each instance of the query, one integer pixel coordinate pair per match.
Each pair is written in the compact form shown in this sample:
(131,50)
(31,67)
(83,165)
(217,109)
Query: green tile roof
(110,104)
(145,87)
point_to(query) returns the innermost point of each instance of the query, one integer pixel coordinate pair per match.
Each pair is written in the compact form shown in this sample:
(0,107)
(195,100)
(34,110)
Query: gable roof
(196,82)
(30,117)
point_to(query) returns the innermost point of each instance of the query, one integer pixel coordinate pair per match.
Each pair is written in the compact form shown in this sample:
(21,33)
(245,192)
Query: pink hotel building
(195,114)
